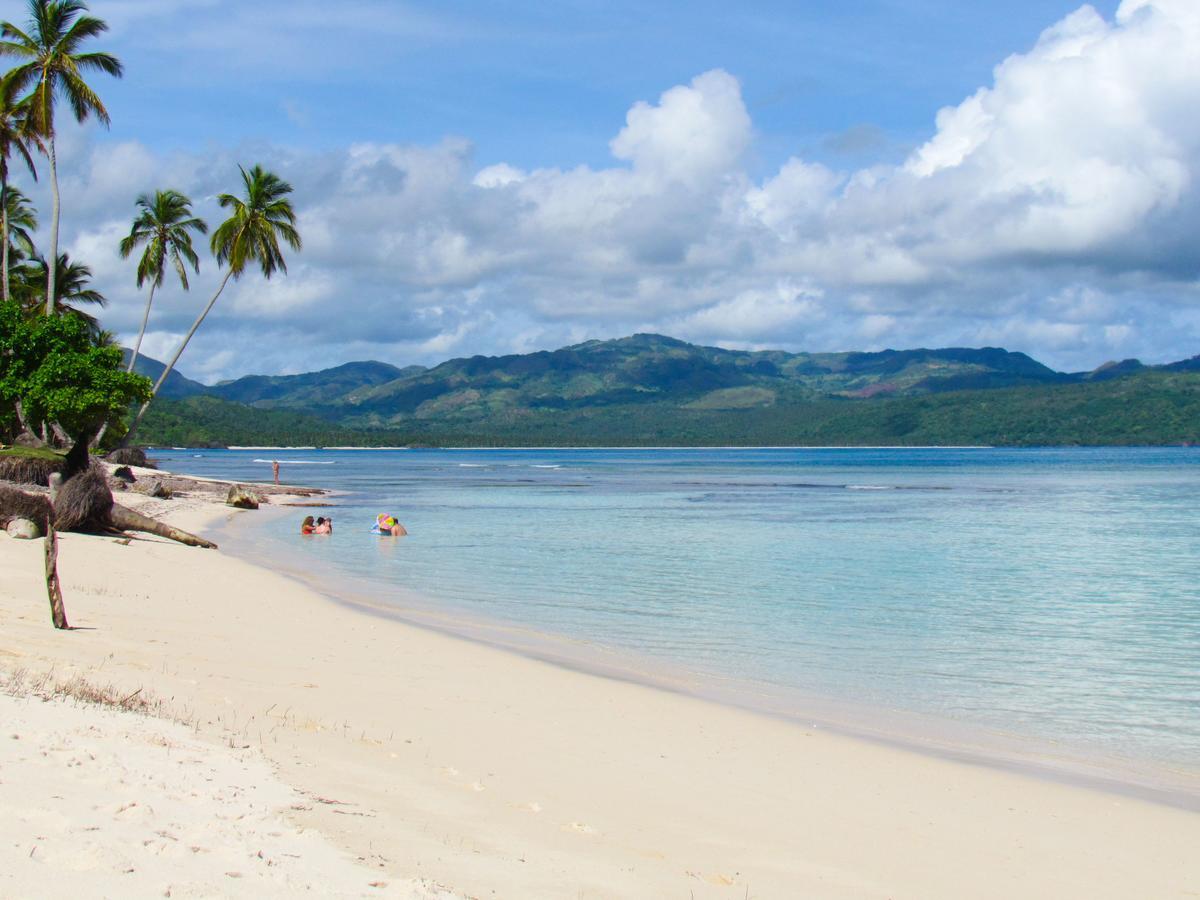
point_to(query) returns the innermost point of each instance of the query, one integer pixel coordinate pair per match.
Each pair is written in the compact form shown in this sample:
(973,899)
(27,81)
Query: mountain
(175,387)
(1147,408)
(649,388)
(653,369)
(311,388)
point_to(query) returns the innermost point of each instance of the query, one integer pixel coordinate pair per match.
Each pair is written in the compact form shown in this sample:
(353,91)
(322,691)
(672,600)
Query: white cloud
(695,133)
(1054,210)
(753,315)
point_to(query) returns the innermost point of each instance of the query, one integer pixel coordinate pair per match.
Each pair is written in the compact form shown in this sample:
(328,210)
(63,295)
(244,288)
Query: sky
(506,177)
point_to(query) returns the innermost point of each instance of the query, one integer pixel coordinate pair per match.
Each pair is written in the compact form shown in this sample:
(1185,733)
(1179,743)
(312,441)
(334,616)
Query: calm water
(1051,593)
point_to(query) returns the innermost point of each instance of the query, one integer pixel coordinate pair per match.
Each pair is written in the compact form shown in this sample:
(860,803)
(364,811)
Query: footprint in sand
(580,828)
(532,806)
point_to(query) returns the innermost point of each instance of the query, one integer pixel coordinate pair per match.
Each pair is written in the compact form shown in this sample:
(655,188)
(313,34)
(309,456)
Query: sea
(1025,603)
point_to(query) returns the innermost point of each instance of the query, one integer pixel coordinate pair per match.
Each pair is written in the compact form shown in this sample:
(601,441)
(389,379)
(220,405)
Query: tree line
(62,380)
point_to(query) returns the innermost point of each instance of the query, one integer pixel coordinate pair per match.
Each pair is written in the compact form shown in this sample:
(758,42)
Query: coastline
(498,774)
(1037,757)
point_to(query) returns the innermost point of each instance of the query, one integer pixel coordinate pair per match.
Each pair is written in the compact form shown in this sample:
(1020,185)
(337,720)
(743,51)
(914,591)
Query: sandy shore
(373,751)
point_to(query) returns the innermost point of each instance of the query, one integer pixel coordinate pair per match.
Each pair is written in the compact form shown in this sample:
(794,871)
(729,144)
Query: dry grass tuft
(22,683)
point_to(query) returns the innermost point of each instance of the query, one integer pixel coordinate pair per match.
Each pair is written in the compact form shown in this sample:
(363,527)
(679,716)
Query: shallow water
(1047,593)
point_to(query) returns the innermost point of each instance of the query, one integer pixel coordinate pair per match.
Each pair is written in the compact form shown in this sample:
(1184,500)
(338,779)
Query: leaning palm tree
(50,68)
(17,138)
(163,225)
(250,235)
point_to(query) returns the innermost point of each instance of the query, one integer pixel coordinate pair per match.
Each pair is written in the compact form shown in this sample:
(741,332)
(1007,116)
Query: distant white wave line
(868,487)
(541,466)
(300,462)
(561,449)
(253,447)
(472,466)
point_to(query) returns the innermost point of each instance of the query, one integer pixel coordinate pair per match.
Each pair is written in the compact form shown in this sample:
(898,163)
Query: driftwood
(130,456)
(15,504)
(241,498)
(83,503)
(58,612)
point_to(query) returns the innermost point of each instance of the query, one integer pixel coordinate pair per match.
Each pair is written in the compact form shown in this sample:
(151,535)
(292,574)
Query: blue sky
(536,84)
(503,177)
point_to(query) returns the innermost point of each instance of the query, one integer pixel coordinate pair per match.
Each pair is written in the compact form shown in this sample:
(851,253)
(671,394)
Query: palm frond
(252,232)
(163,224)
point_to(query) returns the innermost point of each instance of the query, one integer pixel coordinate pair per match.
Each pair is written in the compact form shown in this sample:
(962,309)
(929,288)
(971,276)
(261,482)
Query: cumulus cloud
(1053,211)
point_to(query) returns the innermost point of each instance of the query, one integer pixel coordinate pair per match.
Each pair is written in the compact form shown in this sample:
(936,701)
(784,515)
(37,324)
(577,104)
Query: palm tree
(250,235)
(51,69)
(71,287)
(16,138)
(22,222)
(163,225)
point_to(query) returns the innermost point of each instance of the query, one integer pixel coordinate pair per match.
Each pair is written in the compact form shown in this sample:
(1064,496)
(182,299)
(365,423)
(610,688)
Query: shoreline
(1158,781)
(497,774)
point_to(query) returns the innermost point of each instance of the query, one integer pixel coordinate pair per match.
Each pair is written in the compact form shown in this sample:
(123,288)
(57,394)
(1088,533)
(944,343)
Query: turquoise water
(1048,593)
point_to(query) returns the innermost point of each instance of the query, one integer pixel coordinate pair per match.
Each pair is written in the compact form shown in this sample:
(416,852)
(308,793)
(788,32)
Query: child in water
(307,526)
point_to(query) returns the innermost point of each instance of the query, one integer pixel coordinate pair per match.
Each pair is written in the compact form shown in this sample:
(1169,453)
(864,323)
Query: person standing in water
(275,470)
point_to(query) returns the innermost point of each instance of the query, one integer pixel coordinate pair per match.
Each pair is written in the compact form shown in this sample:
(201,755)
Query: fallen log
(125,519)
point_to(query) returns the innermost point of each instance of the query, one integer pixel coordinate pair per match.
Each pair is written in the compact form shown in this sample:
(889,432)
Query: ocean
(1047,598)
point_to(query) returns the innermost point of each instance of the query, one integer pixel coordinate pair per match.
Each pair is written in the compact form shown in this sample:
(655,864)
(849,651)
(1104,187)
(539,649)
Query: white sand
(497,775)
(102,802)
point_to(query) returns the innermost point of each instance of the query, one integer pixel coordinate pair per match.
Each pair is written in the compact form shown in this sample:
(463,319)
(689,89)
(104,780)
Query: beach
(383,759)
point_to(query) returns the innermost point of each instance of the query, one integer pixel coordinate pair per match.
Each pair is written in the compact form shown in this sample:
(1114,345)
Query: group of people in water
(385,525)
(320,526)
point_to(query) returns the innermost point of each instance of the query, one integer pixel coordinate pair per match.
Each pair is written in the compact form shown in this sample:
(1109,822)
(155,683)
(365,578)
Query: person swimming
(388,525)
(307,526)
(323,526)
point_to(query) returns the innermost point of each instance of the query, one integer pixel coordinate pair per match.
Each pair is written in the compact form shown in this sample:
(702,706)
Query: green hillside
(1146,408)
(649,369)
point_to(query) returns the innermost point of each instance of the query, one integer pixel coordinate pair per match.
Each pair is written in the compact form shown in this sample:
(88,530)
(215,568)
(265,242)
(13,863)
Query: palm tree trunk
(4,236)
(174,359)
(141,334)
(133,356)
(126,519)
(52,259)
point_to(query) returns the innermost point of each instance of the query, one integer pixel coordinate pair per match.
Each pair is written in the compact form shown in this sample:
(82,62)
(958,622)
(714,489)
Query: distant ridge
(175,387)
(661,390)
